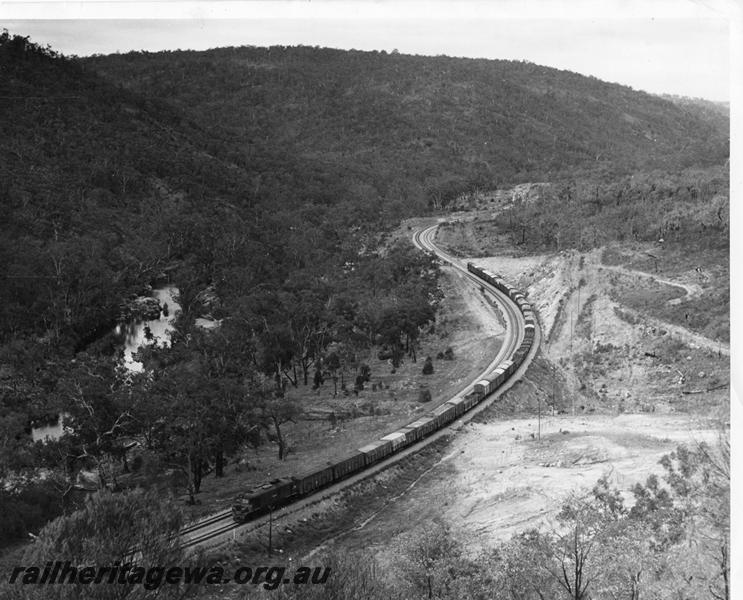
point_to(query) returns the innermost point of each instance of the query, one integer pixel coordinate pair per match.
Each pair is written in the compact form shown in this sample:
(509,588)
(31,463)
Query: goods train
(279,492)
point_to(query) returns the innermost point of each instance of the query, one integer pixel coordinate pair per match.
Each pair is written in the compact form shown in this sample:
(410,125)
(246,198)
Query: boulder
(208,298)
(142,308)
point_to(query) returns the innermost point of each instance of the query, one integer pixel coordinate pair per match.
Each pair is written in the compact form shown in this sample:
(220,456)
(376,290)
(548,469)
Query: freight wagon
(285,490)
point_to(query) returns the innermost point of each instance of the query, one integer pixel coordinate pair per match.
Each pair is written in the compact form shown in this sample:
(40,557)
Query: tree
(203,408)
(105,533)
(699,482)
(430,560)
(309,324)
(520,568)
(573,550)
(339,358)
(332,362)
(673,542)
(187,435)
(273,410)
(428,366)
(594,549)
(655,506)
(95,396)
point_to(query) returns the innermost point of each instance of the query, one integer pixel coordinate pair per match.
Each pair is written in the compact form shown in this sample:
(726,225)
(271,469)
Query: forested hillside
(715,113)
(259,181)
(417,130)
(100,184)
(104,192)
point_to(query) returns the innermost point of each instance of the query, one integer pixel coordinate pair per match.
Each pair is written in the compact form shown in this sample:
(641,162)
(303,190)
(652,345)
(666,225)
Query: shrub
(26,510)
(428,366)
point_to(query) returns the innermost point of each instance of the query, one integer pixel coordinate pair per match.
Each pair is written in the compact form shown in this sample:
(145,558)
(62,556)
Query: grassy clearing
(706,313)
(643,295)
(389,401)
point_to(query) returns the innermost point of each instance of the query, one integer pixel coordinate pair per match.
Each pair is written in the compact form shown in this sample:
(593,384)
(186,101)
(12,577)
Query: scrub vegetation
(267,184)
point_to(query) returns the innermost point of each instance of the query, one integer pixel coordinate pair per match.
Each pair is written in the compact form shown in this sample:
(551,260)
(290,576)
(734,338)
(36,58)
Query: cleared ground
(619,383)
(494,479)
(488,481)
(390,400)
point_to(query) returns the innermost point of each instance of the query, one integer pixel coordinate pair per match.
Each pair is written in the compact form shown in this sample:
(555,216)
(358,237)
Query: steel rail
(193,535)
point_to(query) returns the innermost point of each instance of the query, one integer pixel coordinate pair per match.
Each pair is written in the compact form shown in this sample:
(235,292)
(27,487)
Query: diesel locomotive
(279,492)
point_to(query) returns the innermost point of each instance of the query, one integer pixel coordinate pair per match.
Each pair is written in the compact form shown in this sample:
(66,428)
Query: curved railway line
(220,527)
(424,239)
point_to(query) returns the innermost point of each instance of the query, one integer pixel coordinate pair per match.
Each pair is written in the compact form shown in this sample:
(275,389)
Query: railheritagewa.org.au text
(64,573)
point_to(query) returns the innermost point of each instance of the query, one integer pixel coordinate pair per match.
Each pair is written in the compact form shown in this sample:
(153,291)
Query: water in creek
(51,431)
(135,335)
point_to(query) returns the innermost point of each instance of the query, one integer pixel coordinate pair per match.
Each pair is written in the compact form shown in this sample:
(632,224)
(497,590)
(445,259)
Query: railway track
(219,527)
(424,239)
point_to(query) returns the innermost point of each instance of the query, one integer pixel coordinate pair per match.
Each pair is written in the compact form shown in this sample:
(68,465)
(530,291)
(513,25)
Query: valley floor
(617,385)
(465,323)
(496,478)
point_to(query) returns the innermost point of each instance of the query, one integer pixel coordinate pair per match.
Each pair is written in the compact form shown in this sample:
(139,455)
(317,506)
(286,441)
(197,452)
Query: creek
(136,333)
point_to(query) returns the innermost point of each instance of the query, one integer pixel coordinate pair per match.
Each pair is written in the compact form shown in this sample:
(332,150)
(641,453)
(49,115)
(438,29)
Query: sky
(678,47)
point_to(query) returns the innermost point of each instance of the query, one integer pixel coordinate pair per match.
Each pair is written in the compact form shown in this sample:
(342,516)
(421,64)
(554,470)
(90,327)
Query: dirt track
(494,480)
